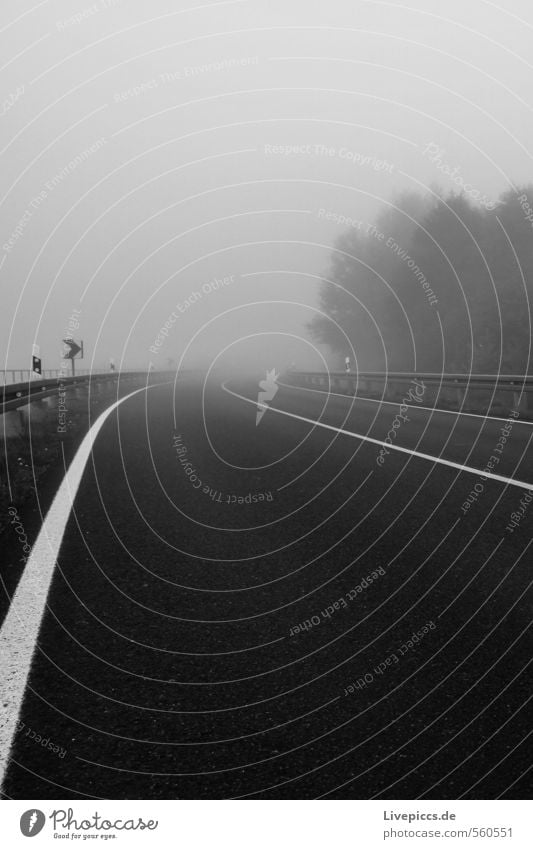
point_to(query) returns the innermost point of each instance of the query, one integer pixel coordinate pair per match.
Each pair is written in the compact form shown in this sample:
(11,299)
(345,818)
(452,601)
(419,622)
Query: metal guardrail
(16,395)
(9,376)
(511,380)
(451,390)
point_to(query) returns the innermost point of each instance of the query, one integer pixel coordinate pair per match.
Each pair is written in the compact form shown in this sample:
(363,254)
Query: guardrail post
(33,414)
(520,401)
(12,424)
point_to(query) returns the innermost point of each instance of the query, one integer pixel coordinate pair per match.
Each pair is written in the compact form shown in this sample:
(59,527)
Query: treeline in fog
(434,284)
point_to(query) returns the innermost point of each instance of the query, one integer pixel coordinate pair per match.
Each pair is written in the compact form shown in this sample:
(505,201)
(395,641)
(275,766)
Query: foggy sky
(149,151)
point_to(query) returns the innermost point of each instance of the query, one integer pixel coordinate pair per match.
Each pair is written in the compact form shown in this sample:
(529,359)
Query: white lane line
(20,630)
(455,413)
(470,469)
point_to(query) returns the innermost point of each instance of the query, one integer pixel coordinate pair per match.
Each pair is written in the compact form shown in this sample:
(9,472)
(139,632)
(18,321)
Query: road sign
(36,365)
(74,348)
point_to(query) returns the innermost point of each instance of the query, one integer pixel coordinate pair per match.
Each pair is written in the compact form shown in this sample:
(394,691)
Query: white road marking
(411,406)
(20,629)
(470,469)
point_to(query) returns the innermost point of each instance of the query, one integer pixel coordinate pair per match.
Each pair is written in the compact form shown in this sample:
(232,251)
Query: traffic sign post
(72,353)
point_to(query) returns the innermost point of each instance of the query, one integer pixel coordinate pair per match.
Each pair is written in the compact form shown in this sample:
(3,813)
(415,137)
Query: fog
(179,176)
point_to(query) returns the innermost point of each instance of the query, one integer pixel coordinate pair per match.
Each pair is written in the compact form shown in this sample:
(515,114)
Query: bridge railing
(486,394)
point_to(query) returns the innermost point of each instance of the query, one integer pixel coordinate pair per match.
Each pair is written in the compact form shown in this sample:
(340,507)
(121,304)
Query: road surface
(221,609)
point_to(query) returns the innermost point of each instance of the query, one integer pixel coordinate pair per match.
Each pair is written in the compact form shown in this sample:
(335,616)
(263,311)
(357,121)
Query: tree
(435,285)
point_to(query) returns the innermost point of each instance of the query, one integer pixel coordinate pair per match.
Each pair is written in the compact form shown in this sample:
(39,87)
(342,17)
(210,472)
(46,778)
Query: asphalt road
(233,607)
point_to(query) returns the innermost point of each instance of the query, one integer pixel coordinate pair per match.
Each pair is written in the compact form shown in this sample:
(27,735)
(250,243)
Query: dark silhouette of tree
(437,285)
